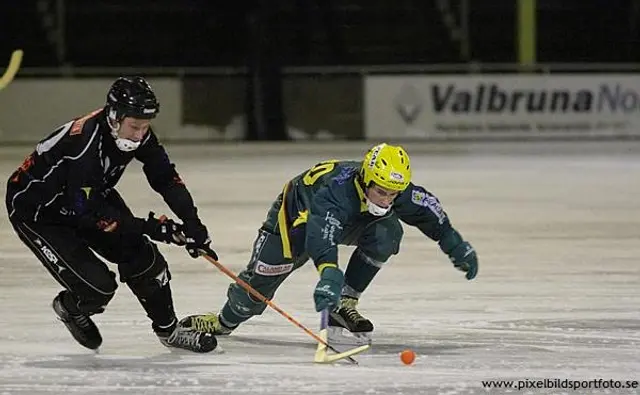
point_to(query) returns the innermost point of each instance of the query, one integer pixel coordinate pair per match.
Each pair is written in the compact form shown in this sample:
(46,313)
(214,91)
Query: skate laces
(210,323)
(353,315)
(348,306)
(81,320)
(190,339)
(206,323)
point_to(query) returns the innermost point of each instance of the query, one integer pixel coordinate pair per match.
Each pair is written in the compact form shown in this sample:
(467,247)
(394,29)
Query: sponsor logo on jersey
(424,199)
(332,223)
(266,269)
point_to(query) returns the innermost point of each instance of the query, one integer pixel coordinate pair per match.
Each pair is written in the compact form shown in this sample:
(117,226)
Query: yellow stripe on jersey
(303,216)
(282,224)
(363,201)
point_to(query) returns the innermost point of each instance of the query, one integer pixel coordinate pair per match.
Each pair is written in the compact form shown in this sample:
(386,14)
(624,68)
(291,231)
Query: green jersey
(325,203)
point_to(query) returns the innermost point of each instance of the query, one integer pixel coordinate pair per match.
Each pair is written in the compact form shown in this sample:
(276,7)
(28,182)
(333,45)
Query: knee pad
(242,303)
(93,299)
(151,287)
(151,276)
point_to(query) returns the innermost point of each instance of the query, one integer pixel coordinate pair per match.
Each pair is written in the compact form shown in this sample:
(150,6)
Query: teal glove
(327,292)
(464,258)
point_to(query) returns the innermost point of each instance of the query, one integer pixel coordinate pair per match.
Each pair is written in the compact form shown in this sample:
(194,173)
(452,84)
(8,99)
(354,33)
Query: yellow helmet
(388,166)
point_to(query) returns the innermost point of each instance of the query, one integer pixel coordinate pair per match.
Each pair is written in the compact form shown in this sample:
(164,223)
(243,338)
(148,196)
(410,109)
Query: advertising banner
(501,106)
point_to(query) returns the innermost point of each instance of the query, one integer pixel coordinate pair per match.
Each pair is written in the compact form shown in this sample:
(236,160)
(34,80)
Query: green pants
(376,238)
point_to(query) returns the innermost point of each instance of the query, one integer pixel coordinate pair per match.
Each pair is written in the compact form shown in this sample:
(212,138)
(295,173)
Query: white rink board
(491,106)
(30,109)
(556,296)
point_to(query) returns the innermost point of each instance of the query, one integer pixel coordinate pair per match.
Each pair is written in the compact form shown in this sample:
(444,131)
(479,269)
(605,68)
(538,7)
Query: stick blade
(322,356)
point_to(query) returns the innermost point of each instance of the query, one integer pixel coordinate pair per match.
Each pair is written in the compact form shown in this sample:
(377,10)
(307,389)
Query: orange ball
(407,357)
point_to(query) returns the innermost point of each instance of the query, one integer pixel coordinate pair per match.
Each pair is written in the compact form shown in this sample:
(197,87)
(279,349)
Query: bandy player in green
(335,203)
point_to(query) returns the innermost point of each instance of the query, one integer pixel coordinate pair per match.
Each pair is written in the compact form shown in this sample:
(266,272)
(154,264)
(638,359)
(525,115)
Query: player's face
(380,196)
(133,129)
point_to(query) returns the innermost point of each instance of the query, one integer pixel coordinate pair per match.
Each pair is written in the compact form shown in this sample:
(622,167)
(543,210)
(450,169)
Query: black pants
(69,255)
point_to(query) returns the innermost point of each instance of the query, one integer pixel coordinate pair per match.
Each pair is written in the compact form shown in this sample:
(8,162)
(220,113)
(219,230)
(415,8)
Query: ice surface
(556,227)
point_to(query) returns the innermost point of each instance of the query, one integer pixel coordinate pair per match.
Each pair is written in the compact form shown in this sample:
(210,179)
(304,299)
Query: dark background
(309,32)
(263,38)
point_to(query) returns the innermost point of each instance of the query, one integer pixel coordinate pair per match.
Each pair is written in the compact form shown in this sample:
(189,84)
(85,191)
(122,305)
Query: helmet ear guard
(112,119)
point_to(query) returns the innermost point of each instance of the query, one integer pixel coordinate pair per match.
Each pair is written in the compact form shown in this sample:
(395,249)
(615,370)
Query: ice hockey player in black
(63,205)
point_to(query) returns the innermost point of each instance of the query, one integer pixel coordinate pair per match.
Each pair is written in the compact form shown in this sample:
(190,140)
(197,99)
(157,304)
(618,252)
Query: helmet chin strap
(376,210)
(124,145)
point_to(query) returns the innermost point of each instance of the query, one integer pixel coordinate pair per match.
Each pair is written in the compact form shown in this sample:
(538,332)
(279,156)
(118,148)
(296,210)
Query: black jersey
(67,177)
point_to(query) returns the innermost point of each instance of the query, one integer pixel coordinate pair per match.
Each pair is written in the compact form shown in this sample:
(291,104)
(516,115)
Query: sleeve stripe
(325,265)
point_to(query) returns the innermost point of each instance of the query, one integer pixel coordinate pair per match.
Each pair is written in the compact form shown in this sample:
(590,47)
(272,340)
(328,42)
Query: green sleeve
(418,207)
(329,212)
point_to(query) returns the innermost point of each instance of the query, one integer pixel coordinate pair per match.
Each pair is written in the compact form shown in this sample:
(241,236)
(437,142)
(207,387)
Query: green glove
(464,258)
(327,292)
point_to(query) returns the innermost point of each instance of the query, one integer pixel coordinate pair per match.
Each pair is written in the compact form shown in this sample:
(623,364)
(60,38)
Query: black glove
(163,229)
(464,258)
(197,238)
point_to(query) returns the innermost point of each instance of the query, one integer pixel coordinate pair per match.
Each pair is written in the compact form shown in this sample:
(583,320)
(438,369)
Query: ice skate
(187,339)
(347,326)
(209,323)
(81,326)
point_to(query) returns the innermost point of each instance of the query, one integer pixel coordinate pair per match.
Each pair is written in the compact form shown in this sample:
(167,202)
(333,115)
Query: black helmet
(131,97)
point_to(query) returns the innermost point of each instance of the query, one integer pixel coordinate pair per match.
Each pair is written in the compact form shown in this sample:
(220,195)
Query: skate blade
(339,336)
(181,351)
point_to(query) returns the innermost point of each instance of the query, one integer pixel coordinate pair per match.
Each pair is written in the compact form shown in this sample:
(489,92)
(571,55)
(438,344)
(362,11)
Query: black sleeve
(164,178)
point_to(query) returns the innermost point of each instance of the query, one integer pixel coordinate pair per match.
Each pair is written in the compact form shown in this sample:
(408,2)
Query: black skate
(81,326)
(347,326)
(187,339)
